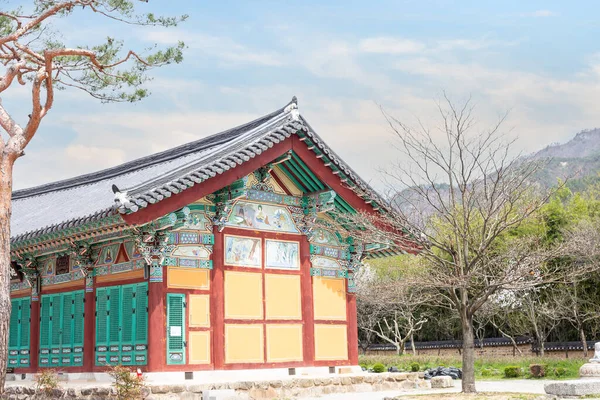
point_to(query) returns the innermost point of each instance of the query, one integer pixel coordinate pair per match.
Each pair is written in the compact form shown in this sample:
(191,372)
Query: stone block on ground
(439,382)
(582,387)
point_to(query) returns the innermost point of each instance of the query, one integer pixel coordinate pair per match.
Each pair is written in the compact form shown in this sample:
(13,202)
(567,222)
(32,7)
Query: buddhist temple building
(220,254)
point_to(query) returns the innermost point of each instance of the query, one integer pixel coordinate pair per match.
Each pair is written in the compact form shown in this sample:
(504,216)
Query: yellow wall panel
(199,314)
(244,343)
(284,343)
(243,295)
(329,298)
(331,342)
(199,347)
(282,296)
(188,278)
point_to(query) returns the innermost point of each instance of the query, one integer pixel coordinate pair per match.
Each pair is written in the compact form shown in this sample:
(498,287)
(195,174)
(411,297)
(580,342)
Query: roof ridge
(147,161)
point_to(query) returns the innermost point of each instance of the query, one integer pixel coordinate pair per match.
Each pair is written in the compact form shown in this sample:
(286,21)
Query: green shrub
(538,370)
(512,372)
(127,384)
(379,368)
(486,372)
(46,381)
(415,367)
(560,371)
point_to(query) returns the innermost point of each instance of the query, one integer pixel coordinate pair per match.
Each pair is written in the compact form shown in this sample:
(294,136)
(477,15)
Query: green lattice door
(61,329)
(175,328)
(19,334)
(122,324)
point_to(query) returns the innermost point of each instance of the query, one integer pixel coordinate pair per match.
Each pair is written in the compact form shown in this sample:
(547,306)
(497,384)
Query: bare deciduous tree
(464,192)
(33,55)
(498,312)
(395,310)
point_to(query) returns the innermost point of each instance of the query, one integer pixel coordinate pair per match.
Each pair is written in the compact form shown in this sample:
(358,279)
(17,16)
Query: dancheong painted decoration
(228,245)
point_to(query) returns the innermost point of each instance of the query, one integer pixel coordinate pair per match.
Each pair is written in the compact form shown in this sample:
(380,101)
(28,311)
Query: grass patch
(486,368)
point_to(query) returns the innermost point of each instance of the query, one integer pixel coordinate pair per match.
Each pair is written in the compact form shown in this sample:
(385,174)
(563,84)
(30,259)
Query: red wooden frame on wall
(157,291)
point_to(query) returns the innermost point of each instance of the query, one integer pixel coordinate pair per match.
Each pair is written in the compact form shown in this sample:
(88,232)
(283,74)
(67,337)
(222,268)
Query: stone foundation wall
(246,390)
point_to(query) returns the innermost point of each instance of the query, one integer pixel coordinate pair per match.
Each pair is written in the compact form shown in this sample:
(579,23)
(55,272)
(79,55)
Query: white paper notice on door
(175,331)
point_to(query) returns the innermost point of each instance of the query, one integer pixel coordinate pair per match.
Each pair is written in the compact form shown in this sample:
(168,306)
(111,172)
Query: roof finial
(292,108)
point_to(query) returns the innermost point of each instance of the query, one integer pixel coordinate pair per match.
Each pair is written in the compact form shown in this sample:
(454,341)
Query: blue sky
(540,59)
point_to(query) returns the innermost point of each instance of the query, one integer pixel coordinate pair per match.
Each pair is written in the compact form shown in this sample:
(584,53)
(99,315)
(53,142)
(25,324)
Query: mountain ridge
(577,159)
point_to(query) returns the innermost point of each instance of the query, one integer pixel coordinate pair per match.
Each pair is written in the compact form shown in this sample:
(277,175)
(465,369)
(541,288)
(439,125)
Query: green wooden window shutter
(55,328)
(122,324)
(61,329)
(25,331)
(127,315)
(101,326)
(114,324)
(45,330)
(25,322)
(141,313)
(18,339)
(78,327)
(67,322)
(175,329)
(141,324)
(13,333)
(128,324)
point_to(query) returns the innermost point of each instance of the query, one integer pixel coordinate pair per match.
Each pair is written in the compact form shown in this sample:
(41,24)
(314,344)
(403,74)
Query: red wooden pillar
(352,329)
(89,329)
(217,302)
(308,313)
(34,336)
(157,326)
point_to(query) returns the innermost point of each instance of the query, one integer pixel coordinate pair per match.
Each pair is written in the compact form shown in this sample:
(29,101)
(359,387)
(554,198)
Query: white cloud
(540,14)
(227,50)
(390,45)
(472,44)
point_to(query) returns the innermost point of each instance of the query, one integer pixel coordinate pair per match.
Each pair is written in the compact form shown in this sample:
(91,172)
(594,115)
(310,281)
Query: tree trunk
(583,341)
(412,344)
(5,306)
(468,353)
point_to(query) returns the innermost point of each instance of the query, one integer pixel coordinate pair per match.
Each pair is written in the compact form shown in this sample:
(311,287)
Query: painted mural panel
(282,254)
(324,262)
(322,236)
(191,252)
(243,251)
(48,268)
(108,254)
(266,217)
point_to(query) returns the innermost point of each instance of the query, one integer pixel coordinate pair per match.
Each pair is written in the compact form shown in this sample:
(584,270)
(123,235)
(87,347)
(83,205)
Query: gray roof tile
(150,179)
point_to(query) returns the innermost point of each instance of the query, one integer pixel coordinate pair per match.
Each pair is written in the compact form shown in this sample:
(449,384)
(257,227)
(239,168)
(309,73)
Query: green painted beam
(316,180)
(295,168)
(290,175)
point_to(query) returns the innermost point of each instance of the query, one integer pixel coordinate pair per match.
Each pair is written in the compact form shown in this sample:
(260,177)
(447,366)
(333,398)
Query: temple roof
(148,180)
